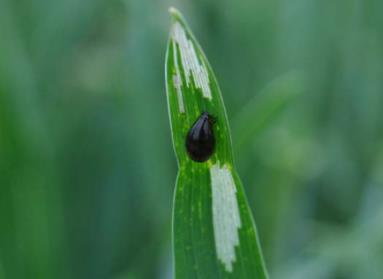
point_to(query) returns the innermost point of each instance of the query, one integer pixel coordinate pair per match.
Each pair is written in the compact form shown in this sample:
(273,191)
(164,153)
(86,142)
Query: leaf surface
(214,235)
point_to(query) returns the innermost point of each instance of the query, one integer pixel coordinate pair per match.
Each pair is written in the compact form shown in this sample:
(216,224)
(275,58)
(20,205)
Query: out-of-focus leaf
(214,235)
(265,107)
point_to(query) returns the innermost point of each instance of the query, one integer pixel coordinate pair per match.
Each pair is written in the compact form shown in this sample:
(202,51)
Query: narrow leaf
(214,235)
(265,107)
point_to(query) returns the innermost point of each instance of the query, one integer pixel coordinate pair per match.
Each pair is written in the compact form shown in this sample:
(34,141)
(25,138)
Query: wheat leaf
(214,235)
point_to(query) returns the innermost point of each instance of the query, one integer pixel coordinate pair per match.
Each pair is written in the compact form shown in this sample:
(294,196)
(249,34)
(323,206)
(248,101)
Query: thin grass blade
(214,235)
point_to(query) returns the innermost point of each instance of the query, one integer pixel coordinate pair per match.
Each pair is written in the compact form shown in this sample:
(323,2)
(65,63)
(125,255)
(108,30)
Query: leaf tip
(174,13)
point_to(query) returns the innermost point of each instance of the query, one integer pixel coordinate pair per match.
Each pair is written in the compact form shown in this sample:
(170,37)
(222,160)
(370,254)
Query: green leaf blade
(214,235)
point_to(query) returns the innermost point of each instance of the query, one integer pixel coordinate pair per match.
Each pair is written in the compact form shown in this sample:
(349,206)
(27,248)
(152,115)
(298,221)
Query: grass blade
(214,235)
(265,107)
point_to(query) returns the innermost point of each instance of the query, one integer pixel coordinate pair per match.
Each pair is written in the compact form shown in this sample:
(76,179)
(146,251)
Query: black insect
(200,141)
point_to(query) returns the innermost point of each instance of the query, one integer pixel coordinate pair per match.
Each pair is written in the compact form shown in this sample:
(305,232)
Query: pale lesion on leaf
(226,216)
(193,66)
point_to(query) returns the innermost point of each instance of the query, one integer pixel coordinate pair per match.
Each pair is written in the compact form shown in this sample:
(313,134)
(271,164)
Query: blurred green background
(87,168)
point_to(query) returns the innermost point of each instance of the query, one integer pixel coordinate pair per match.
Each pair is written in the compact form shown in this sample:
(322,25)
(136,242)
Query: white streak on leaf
(226,218)
(190,63)
(177,81)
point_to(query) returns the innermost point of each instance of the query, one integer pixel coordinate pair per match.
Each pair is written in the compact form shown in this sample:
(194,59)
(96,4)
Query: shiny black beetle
(200,141)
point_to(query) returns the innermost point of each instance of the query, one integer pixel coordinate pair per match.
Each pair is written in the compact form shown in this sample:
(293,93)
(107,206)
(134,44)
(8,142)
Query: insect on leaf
(214,235)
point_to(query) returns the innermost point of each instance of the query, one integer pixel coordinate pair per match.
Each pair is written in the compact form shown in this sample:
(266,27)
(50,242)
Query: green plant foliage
(265,107)
(86,168)
(214,235)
